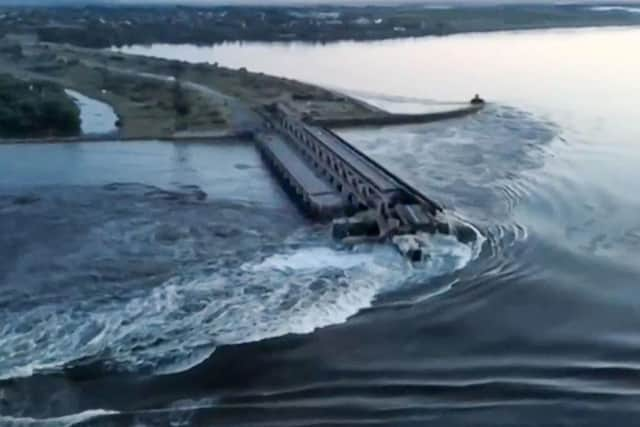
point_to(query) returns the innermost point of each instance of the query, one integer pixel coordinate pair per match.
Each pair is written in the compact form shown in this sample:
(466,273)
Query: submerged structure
(334,181)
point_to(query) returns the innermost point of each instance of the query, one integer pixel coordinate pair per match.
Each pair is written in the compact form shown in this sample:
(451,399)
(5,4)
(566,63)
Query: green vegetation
(146,107)
(35,108)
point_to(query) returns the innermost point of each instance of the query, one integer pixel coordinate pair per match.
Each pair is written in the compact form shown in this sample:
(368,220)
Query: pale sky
(314,2)
(344,2)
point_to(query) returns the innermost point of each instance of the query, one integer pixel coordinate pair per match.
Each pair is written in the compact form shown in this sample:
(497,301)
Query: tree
(31,108)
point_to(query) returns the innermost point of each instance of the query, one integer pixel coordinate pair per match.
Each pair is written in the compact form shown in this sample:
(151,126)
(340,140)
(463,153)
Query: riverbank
(145,107)
(102,27)
(162,98)
(97,139)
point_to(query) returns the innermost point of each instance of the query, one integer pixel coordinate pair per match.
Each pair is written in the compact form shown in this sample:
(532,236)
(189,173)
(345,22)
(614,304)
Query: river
(174,284)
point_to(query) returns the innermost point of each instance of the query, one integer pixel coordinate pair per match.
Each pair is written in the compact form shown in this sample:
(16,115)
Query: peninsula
(163,98)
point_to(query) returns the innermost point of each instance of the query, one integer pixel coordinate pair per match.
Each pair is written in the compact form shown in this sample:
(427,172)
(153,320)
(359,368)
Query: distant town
(104,26)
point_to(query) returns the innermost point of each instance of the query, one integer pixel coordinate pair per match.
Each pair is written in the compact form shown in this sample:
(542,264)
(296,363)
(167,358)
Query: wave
(193,330)
(65,421)
(242,296)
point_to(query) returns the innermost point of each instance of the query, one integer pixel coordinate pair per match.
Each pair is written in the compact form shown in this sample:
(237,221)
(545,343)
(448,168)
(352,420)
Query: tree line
(36,108)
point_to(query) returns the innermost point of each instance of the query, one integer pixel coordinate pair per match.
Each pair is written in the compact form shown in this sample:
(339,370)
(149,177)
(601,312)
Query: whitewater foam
(65,421)
(179,323)
(314,258)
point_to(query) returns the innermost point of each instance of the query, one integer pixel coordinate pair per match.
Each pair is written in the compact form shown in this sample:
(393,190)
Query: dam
(331,180)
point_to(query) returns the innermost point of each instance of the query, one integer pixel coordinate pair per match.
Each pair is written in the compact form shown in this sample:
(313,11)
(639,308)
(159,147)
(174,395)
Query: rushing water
(168,284)
(96,117)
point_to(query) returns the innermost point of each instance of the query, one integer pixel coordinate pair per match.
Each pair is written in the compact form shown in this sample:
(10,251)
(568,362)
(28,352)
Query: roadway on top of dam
(331,179)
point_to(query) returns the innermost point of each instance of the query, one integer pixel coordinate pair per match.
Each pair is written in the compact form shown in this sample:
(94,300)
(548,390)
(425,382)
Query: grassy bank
(157,97)
(146,107)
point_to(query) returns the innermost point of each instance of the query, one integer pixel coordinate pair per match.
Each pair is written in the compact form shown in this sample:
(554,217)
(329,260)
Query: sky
(344,2)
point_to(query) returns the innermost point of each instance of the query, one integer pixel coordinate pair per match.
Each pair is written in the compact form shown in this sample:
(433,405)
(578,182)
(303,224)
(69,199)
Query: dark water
(156,284)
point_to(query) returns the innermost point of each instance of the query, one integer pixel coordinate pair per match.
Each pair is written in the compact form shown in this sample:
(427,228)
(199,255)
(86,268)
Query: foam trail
(179,323)
(66,421)
(314,258)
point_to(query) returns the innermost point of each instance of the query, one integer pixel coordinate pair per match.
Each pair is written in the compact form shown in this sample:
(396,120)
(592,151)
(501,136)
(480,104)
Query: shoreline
(101,139)
(161,98)
(209,24)
(229,93)
(378,118)
(562,28)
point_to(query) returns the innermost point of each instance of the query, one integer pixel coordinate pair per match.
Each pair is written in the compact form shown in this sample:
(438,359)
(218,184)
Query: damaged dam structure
(334,181)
